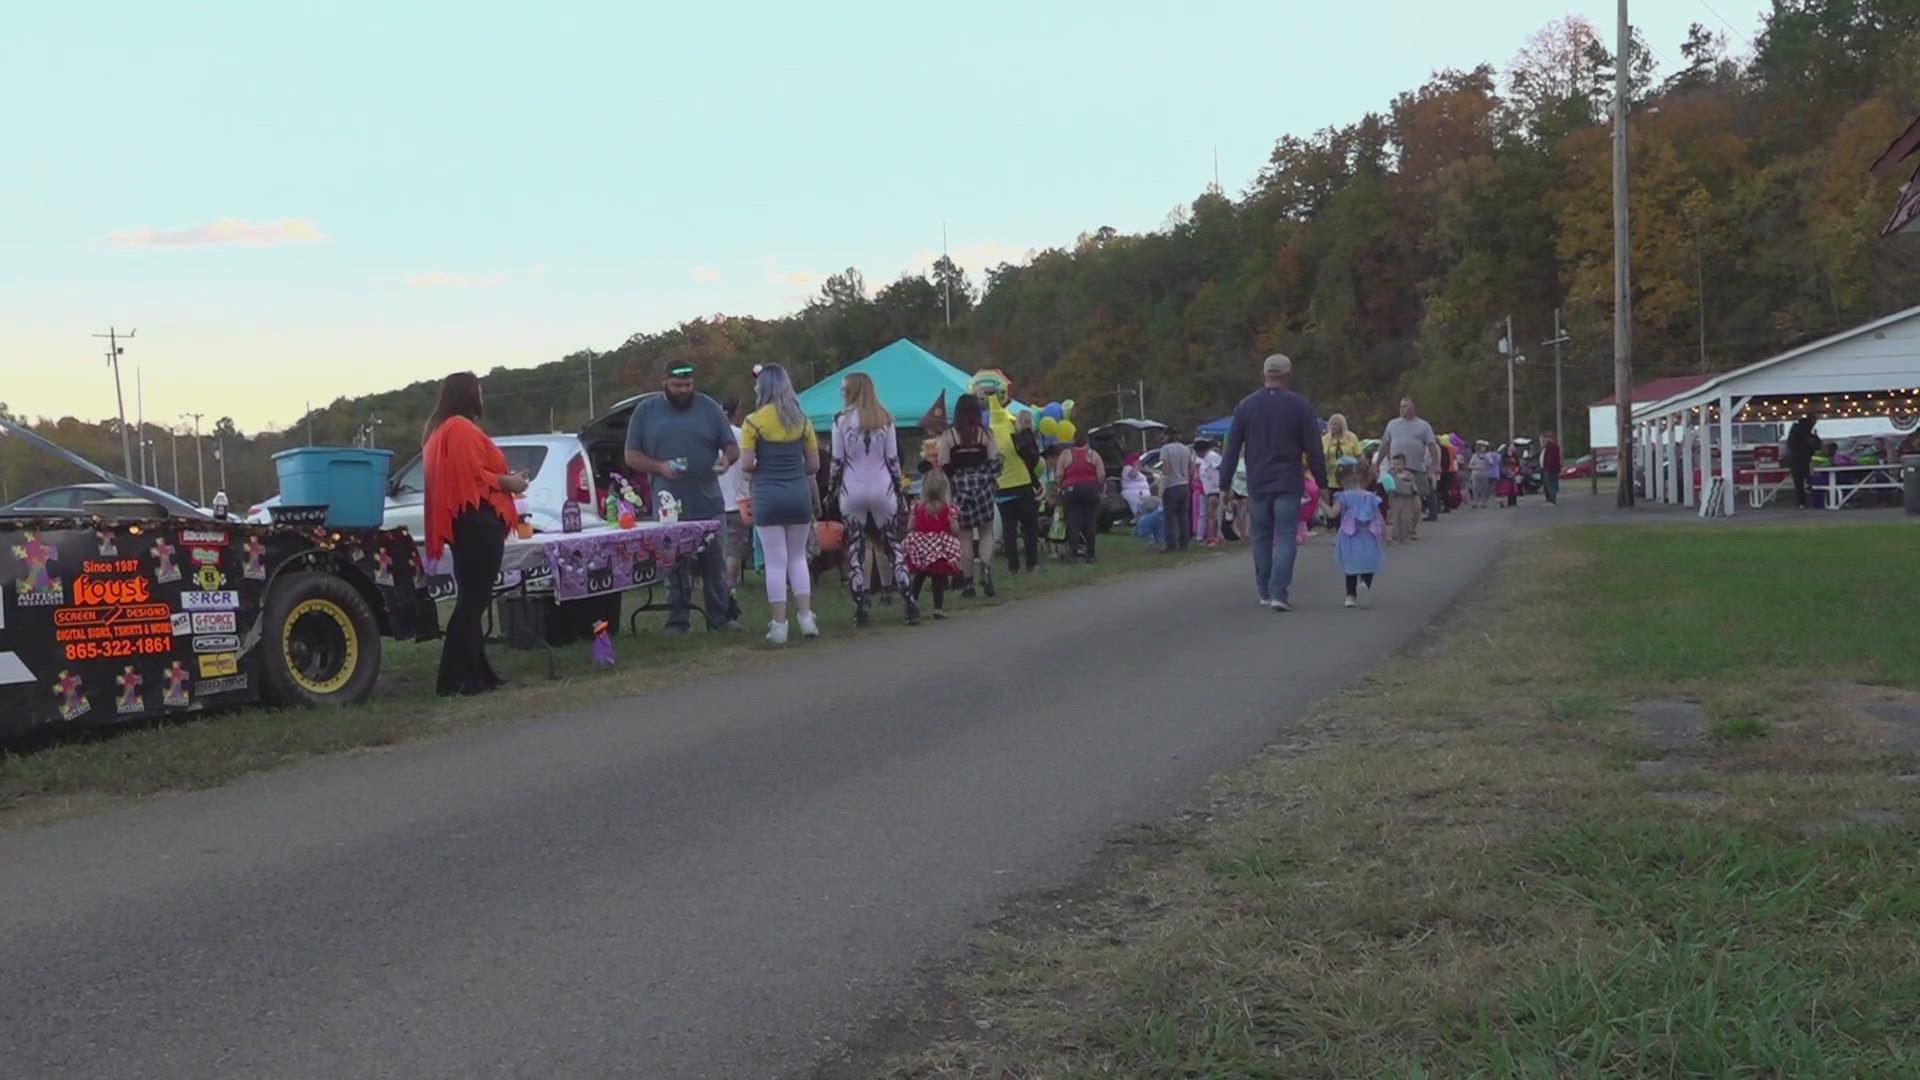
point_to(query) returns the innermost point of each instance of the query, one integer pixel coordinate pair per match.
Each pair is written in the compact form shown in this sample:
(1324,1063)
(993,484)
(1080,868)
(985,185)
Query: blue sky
(297,201)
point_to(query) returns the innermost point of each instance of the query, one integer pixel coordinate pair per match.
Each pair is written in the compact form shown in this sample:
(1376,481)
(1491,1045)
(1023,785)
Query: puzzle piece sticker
(164,568)
(175,692)
(72,703)
(129,682)
(37,587)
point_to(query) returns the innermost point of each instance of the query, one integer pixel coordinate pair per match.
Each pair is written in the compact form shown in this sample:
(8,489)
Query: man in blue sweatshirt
(1276,430)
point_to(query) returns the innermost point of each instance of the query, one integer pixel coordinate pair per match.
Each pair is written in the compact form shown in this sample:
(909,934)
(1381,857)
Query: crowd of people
(986,480)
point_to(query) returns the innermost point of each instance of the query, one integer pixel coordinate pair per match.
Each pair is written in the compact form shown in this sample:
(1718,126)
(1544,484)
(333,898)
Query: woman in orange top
(469,505)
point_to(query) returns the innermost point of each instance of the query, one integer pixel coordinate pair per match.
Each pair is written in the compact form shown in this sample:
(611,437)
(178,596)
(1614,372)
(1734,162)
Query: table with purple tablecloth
(599,561)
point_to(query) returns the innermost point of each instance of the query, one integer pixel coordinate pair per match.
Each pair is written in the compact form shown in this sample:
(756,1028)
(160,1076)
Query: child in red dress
(932,547)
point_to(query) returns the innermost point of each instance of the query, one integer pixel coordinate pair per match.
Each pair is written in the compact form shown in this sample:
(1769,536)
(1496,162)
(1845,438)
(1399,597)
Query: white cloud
(702,273)
(791,279)
(223,231)
(977,257)
(438,279)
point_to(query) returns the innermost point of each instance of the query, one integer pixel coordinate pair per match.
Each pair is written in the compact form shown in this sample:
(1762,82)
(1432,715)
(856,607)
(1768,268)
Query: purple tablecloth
(602,561)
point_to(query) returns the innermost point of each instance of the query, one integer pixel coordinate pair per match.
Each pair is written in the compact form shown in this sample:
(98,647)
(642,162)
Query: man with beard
(682,439)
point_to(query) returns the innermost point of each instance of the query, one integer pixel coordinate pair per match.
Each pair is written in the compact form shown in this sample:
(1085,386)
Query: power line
(1729,26)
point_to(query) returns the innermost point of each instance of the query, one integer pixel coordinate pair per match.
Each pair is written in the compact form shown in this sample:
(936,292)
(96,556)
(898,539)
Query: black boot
(986,578)
(913,612)
(860,613)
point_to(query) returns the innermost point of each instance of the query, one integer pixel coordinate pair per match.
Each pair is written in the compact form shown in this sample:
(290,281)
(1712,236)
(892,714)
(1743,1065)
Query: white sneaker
(809,626)
(777,633)
(1366,595)
(1279,605)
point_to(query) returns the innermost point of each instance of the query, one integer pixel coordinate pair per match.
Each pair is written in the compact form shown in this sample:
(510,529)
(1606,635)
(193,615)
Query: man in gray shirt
(1176,491)
(1408,434)
(681,439)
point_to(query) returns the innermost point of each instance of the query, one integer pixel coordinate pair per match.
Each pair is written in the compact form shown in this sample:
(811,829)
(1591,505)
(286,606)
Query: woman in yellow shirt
(1338,442)
(779,449)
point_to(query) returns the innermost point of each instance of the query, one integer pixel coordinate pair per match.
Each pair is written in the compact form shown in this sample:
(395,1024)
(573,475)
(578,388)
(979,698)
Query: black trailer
(145,607)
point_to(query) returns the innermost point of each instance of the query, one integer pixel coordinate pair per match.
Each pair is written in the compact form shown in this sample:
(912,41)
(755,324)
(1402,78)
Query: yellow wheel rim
(331,616)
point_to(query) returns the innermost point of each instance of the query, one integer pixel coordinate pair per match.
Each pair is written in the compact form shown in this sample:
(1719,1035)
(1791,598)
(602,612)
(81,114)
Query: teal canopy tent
(907,377)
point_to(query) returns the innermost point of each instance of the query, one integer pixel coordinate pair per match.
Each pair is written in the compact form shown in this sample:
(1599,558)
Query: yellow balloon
(1049,426)
(1064,430)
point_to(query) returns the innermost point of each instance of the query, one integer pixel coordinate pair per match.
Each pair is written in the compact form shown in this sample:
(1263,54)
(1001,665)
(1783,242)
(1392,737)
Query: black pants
(1354,581)
(717,597)
(1082,502)
(1177,501)
(479,540)
(1020,517)
(939,589)
(1440,496)
(1802,480)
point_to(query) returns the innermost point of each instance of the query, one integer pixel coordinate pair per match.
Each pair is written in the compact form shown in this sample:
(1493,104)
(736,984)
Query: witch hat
(935,420)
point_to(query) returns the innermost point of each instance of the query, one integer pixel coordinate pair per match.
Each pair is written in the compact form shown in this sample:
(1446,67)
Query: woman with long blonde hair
(866,476)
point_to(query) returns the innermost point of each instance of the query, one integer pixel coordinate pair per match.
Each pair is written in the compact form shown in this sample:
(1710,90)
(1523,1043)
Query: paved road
(726,880)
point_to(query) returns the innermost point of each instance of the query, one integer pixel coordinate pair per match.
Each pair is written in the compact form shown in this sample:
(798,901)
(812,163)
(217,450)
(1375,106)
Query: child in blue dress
(1356,543)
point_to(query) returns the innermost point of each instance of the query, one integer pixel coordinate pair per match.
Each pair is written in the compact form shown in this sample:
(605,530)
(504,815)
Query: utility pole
(591,413)
(140,421)
(171,430)
(1510,348)
(946,278)
(1559,338)
(1622,257)
(113,357)
(220,455)
(199,463)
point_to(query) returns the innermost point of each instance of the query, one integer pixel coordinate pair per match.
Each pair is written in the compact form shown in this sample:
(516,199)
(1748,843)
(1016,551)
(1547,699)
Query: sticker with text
(213,622)
(218,664)
(210,600)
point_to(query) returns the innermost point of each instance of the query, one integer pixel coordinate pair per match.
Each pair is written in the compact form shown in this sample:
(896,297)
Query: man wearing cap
(1275,428)
(681,438)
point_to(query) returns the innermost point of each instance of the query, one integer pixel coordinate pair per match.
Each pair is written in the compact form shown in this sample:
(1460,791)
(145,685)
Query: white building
(1863,381)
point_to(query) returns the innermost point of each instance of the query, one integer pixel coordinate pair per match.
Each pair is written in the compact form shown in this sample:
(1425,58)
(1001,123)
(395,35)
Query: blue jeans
(1150,527)
(1275,520)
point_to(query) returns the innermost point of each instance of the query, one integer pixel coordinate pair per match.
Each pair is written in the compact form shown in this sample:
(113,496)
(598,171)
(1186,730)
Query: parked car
(1582,467)
(261,513)
(73,499)
(556,468)
(557,473)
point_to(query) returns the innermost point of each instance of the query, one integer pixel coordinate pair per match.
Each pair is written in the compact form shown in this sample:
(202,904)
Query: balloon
(1049,425)
(1065,430)
(1066,408)
(1053,411)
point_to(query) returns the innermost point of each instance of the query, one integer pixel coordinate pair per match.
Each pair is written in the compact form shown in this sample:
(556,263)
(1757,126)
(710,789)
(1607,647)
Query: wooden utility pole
(113,358)
(1622,258)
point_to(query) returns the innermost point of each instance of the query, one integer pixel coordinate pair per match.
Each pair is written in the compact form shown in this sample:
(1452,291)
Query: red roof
(1661,389)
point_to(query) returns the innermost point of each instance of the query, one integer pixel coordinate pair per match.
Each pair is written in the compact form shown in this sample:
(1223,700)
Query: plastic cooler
(350,483)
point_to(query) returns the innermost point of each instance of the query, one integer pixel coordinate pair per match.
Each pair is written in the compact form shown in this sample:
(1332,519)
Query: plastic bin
(1910,480)
(351,483)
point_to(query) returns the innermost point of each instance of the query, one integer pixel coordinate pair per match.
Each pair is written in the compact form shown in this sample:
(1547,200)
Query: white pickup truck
(556,468)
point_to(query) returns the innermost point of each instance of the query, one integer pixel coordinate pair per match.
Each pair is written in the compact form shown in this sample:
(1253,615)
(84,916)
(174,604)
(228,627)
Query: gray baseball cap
(1277,364)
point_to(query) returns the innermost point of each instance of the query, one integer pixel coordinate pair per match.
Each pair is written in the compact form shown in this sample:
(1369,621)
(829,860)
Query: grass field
(52,778)
(1477,863)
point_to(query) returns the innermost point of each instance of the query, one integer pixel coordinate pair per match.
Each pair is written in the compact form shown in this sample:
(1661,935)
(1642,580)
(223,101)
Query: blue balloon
(1054,410)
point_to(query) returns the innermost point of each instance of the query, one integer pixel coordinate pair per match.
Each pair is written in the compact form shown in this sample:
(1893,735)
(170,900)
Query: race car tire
(319,641)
